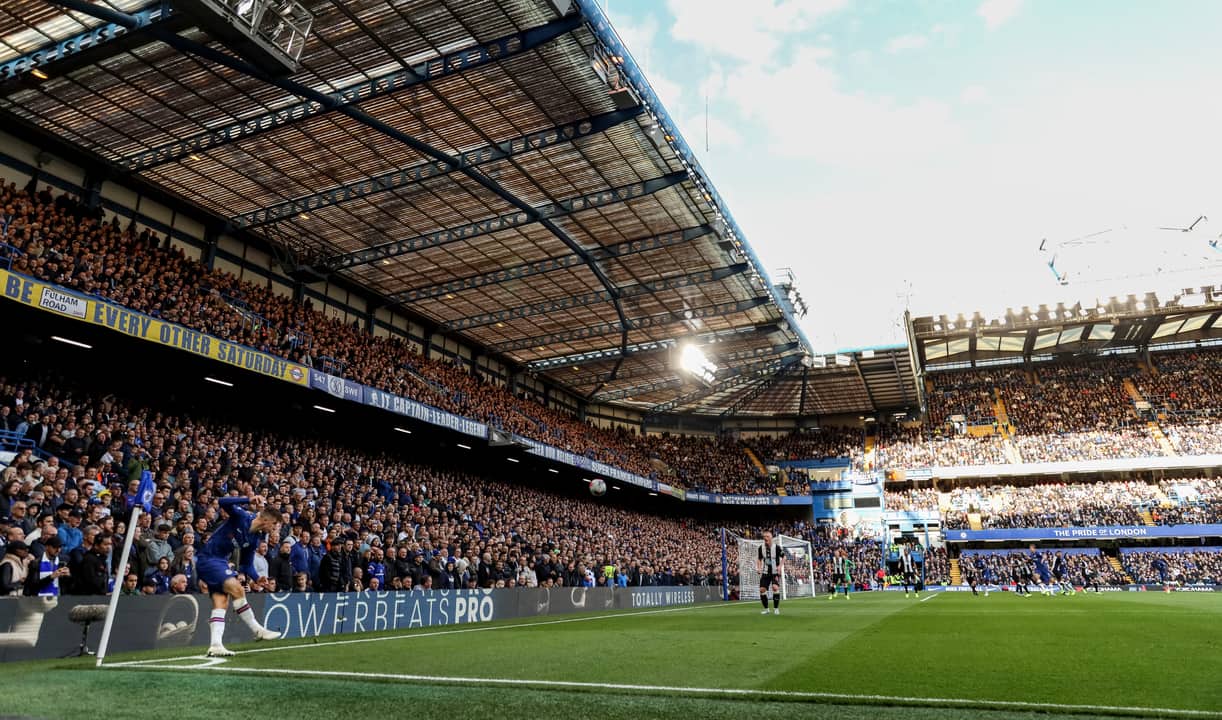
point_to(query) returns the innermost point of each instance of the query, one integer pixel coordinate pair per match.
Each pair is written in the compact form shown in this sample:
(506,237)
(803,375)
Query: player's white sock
(217,627)
(247,613)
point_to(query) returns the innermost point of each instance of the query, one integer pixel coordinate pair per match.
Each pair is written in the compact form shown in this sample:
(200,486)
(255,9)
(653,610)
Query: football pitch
(875,656)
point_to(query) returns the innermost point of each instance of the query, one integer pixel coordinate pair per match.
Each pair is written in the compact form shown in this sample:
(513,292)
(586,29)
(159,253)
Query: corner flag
(144,493)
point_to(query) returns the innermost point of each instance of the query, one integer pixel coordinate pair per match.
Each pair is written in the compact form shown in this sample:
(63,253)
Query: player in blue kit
(243,531)
(1041,569)
(1060,574)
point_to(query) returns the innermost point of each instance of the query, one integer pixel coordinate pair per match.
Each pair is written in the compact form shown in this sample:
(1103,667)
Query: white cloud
(859,191)
(728,28)
(996,13)
(721,136)
(906,42)
(904,192)
(974,95)
(806,113)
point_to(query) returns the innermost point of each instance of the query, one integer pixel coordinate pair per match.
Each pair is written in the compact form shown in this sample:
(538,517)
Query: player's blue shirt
(235,533)
(1040,565)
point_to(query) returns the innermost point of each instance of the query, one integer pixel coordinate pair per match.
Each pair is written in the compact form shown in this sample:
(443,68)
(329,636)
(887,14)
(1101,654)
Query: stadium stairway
(973,521)
(1157,433)
(1012,452)
(1003,417)
(871,443)
(1146,518)
(755,460)
(956,577)
(1132,390)
(1118,567)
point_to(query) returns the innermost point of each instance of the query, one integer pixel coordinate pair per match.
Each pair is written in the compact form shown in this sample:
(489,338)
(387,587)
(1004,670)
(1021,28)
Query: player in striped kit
(769,566)
(908,569)
(842,574)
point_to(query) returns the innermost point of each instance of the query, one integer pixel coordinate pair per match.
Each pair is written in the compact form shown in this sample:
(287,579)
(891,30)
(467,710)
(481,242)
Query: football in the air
(598,486)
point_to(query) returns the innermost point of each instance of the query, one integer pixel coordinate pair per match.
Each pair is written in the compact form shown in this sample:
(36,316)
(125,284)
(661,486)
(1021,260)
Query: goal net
(797,570)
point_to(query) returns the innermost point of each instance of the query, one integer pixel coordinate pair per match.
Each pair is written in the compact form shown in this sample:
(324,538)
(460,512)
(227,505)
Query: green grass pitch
(874,656)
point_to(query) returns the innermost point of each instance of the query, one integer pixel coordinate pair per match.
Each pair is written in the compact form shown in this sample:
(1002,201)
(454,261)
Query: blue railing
(8,253)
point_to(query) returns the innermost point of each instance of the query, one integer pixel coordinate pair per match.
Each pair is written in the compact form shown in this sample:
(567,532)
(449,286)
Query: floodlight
(693,360)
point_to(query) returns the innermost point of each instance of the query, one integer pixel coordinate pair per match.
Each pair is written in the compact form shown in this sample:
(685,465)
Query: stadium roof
(1191,317)
(501,169)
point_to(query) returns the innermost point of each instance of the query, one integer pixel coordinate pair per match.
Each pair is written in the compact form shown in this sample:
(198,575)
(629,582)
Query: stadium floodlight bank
(739,556)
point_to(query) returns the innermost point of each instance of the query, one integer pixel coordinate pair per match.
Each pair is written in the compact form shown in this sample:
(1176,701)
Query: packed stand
(60,242)
(1002,568)
(1185,566)
(1168,502)
(970,393)
(1072,397)
(1186,384)
(707,463)
(1195,501)
(354,520)
(1195,438)
(911,500)
(820,444)
(1050,505)
(908,447)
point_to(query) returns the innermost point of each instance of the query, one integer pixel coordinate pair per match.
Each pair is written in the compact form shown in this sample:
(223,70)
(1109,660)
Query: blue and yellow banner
(52,298)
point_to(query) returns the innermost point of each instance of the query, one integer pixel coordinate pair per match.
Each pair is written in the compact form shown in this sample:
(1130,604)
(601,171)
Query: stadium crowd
(1003,568)
(1169,502)
(1064,411)
(824,442)
(902,447)
(1187,566)
(1187,383)
(355,520)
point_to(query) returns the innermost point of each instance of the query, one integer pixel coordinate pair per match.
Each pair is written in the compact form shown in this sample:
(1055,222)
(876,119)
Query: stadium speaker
(86,615)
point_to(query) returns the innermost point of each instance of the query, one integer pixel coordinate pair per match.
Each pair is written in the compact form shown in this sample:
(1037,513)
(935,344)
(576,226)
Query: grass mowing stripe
(723,692)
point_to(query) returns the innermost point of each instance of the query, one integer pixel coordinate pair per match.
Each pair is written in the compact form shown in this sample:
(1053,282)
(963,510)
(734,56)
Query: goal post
(739,556)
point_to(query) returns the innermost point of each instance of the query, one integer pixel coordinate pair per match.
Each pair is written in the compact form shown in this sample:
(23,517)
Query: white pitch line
(436,633)
(930,597)
(732,692)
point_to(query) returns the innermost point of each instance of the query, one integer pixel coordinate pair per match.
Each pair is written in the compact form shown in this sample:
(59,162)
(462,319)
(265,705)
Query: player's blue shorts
(1045,577)
(214,572)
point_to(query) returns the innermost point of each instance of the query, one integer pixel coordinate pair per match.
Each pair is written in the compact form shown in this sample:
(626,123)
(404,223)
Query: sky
(914,154)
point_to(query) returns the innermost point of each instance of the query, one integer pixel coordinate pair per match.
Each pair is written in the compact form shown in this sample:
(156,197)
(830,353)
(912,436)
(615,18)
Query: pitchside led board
(38,628)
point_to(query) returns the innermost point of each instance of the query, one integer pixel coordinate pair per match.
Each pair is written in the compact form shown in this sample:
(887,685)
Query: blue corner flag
(144,493)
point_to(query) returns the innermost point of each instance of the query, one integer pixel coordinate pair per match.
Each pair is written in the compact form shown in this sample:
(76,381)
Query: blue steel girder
(633,75)
(565,133)
(49,55)
(634,390)
(517,272)
(735,378)
(641,323)
(547,212)
(354,113)
(593,298)
(457,61)
(753,393)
